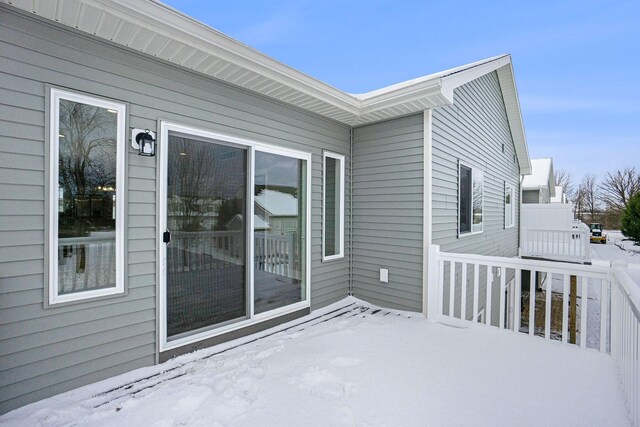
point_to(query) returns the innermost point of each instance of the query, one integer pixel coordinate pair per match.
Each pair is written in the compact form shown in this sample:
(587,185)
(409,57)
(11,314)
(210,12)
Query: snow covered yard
(617,248)
(353,364)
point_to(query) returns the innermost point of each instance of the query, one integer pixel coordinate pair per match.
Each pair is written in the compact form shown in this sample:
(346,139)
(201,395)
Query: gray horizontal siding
(473,131)
(531,196)
(388,172)
(47,351)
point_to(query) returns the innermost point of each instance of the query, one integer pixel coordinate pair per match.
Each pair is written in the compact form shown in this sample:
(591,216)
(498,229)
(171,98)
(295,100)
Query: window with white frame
(86,206)
(333,212)
(470,200)
(509,206)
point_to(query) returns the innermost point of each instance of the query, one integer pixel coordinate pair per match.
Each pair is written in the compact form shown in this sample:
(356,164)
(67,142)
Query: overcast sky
(577,63)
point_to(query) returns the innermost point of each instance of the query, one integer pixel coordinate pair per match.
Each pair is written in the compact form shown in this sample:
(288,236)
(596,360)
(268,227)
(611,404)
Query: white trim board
(53,296)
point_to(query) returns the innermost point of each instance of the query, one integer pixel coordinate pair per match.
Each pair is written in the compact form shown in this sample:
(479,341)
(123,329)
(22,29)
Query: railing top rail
(529,264)
(556,230)
(207,233)
(628,285)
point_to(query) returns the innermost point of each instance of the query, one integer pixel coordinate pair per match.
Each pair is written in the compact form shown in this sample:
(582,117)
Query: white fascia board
(428,91)
(514,115)
(457,78)
(175,25)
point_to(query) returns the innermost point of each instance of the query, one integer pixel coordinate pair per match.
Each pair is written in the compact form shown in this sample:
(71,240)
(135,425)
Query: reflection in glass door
(280,212)
(206,279)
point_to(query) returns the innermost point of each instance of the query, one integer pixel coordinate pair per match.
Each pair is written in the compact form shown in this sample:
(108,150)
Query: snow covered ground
(351,364)
(617,248)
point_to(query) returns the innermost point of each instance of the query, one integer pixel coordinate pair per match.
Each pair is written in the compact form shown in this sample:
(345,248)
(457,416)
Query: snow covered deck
(354,364)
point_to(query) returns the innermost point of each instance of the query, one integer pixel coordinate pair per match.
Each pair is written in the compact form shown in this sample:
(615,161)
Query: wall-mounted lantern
(144,141)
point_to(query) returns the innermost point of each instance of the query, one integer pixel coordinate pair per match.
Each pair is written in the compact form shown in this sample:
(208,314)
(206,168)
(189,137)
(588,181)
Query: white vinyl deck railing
(625,334)
(272,253)
(590,306)
(87,262)
(571,245)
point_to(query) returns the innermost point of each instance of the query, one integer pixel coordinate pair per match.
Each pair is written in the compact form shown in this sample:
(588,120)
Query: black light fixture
(144,141)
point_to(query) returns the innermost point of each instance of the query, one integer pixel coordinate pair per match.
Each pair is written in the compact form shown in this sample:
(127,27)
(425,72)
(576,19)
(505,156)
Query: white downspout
(429,295)
(350,290)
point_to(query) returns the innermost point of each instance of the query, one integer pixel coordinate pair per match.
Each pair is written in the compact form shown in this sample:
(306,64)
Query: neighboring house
(560,196)
(128,263)
(540,186)
(279,210)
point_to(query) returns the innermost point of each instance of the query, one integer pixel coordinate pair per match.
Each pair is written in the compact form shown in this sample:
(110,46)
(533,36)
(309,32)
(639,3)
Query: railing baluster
(532,301)
(565,308)
(488,295)
(452,289)
(518,300)
(583,312)
(547,307)
(503,278)
(463,292)
(604,297)
(440,288)
(476,282)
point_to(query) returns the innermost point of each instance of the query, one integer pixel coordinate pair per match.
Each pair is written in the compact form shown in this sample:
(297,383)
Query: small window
(509,206)
(333,210)
(86,207)
(471,200)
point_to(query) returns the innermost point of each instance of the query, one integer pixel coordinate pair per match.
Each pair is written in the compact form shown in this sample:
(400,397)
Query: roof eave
(175,37)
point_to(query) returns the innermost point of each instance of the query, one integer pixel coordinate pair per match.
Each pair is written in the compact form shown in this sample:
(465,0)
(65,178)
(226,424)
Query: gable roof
(154,28)
(541,176)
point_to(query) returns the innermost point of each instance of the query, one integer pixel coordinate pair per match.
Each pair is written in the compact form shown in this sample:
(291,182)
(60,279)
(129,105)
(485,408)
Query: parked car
(597,234)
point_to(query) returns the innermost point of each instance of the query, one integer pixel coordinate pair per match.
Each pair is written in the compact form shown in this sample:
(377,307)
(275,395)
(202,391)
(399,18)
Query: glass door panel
(279,231)
(206,280)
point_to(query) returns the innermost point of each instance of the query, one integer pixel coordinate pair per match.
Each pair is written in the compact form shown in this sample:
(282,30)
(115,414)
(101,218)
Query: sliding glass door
(279,230)
(206,279)
(234,218)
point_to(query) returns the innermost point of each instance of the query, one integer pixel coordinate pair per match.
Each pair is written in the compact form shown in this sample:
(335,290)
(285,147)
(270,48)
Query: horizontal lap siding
(47,351)
(388,190)
(472,131)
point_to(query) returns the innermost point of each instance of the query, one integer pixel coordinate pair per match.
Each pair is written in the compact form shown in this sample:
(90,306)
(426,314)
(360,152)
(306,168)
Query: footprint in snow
(324,384)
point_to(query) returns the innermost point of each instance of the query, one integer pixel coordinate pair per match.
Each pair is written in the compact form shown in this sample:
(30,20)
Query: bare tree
(578,203)
(617,188)
(591,195)
(192,187)
(564,179)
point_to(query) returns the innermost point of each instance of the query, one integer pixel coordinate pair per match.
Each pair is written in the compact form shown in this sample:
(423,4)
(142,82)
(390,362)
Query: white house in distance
(539,187)
(560,196)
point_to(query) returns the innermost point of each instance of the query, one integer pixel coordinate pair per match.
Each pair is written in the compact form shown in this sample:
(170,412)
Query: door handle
(166,237)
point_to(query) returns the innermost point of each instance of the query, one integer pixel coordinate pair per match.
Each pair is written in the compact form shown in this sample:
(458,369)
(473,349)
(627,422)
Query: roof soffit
(175,37)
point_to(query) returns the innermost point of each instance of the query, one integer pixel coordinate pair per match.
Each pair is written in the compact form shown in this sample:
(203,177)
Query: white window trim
(474,173)
(509,187)
(54,144)
(252,318)
(340,221)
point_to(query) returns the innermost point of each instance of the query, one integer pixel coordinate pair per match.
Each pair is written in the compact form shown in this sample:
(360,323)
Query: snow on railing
(562,245)
(591,306)
(625,334)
